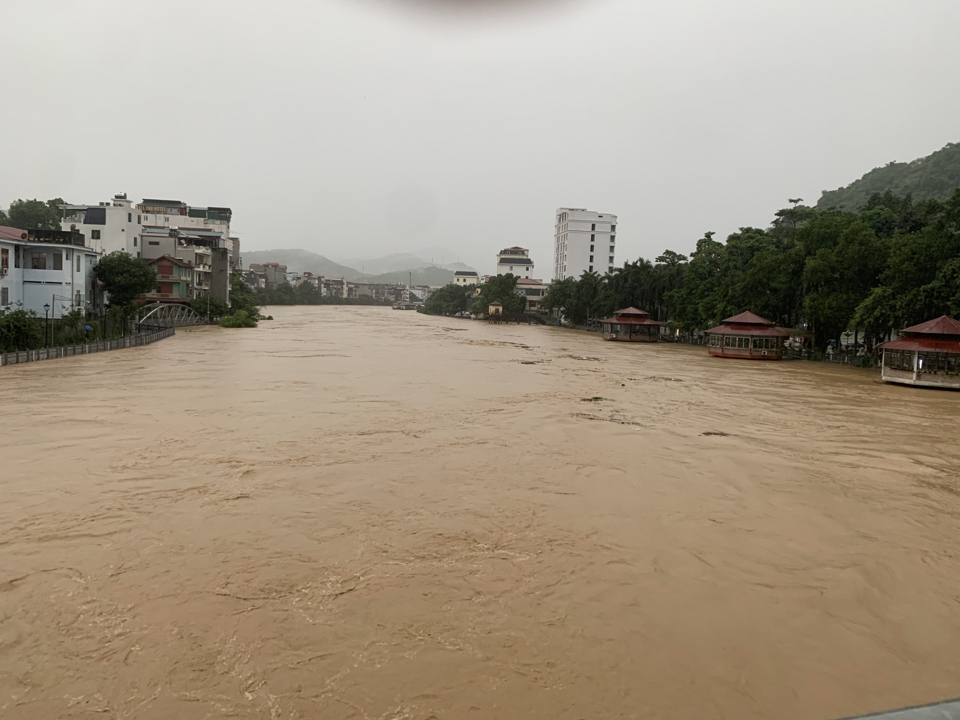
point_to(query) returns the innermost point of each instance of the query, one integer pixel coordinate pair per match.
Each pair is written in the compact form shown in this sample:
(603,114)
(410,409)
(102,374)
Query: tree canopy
(448,300)
(125,278)
(33,214)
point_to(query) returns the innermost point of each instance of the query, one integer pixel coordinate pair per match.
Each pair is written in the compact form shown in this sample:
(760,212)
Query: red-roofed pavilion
(928,355)
(747,336)
(631,325)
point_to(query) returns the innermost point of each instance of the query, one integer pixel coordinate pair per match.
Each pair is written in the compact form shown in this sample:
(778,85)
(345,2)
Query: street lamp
(46,323)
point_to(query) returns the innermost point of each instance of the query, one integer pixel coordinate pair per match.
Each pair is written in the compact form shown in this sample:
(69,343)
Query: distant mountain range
(935,176)
(396,268)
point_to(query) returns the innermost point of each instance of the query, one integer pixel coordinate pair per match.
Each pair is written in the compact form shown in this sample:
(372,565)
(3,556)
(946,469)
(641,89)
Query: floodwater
(365,513)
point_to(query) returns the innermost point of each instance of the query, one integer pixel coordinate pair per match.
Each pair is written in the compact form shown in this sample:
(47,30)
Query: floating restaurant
(747,336)
(927,355)
(631,325)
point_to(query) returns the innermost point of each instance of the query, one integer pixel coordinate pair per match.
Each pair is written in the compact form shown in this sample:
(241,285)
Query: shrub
(240,319)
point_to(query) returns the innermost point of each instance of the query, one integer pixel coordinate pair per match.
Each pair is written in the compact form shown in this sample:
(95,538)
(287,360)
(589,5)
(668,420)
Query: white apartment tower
(584,241)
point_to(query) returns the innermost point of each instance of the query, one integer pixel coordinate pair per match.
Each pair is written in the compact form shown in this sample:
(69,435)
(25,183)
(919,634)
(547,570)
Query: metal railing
(22,356)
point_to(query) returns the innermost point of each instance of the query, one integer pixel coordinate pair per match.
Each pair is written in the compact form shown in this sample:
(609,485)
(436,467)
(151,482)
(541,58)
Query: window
(590,269)
(153,242)
(78,262)
(16,256)
(591,258)
(4,296)
(593,227)
(611,259)
(38,261)
(592,238)
(129,217)
(138,219)
(79,300)
(898,360)
(58,261)
(134,242)
(94,234)
(613,228)
(612,239)
(591,248)
(4,259)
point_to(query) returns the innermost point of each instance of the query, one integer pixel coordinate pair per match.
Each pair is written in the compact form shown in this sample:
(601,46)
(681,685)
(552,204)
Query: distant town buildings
(515,261)
(47,271)
(584,241)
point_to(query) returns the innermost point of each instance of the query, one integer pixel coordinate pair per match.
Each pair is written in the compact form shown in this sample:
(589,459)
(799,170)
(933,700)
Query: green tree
(20,330)
(242,297)
(209,306)
(448,300)
(239,319)
(35,214)
(125,278)
(502,289)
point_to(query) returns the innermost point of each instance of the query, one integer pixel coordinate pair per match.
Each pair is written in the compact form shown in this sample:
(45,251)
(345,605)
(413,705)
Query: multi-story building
(47,271)
(174,279)
(533,291)
(515,261)
(465,277)
(108,226)
(274,274)
(119,225)
(584,241)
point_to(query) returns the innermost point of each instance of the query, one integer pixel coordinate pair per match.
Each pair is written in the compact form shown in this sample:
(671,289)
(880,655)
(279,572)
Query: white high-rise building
(584,241)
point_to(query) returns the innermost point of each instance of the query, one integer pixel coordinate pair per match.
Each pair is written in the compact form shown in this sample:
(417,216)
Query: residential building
(533,291)
(174,280)
(466,277)
(584,241)
(515,261)
(274,274)
(46,267)
(108,226)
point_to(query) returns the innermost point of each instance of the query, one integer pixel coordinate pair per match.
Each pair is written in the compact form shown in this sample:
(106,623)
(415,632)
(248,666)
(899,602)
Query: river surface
(365,513)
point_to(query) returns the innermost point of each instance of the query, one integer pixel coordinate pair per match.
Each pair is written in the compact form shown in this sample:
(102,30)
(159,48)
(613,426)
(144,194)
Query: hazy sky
(366,127)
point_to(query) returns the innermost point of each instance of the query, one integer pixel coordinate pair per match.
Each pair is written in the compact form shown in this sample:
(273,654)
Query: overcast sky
(365,127)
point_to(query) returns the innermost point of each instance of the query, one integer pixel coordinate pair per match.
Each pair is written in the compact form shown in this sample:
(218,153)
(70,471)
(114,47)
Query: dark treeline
(892,264)
(307,294)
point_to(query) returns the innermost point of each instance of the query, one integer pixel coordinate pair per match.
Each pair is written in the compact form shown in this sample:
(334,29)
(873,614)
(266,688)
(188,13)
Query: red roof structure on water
(631,316)
(939,335)
(748,323)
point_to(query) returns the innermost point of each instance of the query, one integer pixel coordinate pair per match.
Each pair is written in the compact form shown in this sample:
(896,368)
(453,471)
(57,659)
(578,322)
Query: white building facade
(466,277)
(584,241)
(46,268)
(515,261)
(108,226)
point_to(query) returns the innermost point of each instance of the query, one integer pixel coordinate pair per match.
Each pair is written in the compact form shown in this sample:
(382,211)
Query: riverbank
(138,340)
(353,512)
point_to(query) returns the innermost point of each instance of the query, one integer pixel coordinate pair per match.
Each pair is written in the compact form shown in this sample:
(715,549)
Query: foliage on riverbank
(892,264)
(448,300)
(239,319)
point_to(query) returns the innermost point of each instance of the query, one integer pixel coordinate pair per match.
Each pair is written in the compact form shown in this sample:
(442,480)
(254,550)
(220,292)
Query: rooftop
(942,325)
(471,273)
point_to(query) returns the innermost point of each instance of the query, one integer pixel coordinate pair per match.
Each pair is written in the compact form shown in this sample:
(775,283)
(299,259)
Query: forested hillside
(933,177)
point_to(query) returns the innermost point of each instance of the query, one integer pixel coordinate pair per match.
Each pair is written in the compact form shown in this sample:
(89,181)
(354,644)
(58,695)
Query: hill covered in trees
(934,177)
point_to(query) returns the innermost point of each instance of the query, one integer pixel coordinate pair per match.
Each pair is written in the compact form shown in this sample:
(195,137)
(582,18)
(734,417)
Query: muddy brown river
(365,513)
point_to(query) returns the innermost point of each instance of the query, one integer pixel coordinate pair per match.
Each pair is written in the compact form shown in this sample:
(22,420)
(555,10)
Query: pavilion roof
(631,311)
(747,318)
(942,325)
